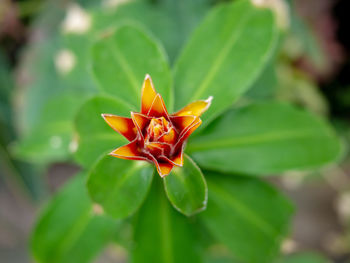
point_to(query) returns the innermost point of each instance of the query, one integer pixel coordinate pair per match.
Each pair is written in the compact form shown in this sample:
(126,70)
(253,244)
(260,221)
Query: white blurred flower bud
(77,20)
(280,9)
(288,246)
(65,61)
(114,3)
(343,206)
(97,209)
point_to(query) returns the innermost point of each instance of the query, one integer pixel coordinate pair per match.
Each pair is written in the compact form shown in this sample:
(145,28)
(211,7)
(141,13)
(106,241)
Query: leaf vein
(220,59)
(246,212)
(128,71)
(205,144)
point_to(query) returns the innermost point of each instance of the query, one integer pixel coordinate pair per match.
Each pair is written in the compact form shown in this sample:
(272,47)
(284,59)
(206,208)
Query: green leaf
(265,138)
(119,186)
(225,55)
(247,215)
(121,60)
(162,235)
(50,140)
(305,257)
(68,231)
(95,136)
(186,188)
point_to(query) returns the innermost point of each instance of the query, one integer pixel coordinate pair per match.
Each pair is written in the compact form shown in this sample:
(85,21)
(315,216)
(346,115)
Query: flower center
(157,128)
(160,136)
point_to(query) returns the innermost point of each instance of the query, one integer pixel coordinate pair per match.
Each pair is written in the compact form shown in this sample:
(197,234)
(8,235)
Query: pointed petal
(147,95)
(130,151)
(175,160)
(182,122)
(188,131)
(124,126)
(164,168)
(178,159)
(140,121)
(196,108)
(158,108)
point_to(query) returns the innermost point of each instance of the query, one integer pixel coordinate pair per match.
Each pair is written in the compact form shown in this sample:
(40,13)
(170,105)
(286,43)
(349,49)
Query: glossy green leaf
(305,257)
(263,139)
(162,235)
(247,215)
(225,55)
(52,137)
(186,188)
(119,186)
(122,58)
(68,231)
(95,136)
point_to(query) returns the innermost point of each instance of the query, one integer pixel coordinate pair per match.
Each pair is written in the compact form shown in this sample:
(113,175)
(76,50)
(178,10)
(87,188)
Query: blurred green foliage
(90,58)
(19,177)
(71,230)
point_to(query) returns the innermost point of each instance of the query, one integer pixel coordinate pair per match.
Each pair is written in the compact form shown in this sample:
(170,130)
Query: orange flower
(154,135)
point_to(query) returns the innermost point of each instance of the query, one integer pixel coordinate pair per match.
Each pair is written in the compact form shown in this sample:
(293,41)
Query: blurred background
(42,67)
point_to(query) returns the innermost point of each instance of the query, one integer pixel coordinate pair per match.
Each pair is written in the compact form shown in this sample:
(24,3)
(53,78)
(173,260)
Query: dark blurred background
(322,200)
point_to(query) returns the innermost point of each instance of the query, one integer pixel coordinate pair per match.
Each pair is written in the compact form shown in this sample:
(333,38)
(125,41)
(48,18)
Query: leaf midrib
(125,66)
(221,57)
(119,183)
(246,212)
(166,235)
(69,238)
(204,144)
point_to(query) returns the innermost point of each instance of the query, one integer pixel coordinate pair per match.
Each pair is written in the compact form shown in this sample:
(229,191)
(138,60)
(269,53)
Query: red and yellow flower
(154,134)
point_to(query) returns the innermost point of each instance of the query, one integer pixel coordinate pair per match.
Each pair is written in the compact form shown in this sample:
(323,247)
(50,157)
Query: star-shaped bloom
(154,134)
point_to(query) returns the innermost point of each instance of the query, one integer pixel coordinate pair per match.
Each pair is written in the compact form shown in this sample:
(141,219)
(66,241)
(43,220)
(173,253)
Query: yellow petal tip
(209,100)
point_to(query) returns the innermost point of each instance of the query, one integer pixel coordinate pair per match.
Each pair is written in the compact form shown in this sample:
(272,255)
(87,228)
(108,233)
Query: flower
(154,135)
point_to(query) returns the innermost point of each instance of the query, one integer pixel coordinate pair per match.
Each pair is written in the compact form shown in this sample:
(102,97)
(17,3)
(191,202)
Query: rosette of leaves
(218,196)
